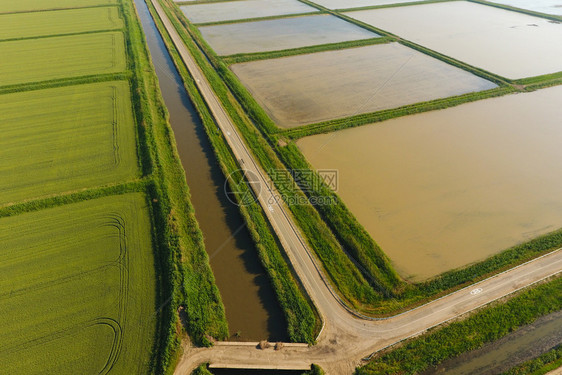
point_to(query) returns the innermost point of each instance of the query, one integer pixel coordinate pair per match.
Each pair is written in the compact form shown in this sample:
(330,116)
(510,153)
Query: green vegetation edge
(186,278)
(302,320)
(484,326)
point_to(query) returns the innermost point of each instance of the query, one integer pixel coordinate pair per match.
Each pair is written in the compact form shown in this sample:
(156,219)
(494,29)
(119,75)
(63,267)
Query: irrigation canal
(252,310)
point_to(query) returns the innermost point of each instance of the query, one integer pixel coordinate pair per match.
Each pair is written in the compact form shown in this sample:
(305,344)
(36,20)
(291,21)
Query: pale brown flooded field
(310,88)
(511,44)
(242,9)
(345,4)
(285,33)
(543,6)
(443,189)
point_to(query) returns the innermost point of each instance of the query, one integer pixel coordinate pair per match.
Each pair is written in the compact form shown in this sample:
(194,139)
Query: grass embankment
(88,308)
(341,270)
(482,327)
(68,165)
(246,57)
(519,10)
(187,280)
(266,18)
(299,313)
(541,365)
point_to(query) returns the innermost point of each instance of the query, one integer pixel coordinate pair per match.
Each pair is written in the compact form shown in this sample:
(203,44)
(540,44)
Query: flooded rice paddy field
(440,190)
(511,44)
(542,6)
(346,4)
(242,9)
(316,87)
(285,33)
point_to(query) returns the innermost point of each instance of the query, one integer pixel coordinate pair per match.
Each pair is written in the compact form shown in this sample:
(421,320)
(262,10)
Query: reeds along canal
(252,311)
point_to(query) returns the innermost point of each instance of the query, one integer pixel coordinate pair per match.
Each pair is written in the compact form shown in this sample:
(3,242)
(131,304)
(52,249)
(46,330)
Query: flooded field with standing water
(345,4)
(285,33)
(316,87)
(542,6)
(443,189)
(511,44)
(242,9)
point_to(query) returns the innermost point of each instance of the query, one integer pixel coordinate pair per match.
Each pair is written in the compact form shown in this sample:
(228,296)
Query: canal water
(252,310)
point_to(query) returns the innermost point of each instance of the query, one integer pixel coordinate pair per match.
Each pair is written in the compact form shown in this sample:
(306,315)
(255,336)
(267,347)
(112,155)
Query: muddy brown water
(443,189)
(251,306)
(316,87)
(520,346)
(511,44)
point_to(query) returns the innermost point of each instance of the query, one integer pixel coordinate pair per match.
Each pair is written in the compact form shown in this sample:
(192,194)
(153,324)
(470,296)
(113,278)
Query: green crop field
(77,289)
(30,5)
(33,24)
(66,138)
(44,59)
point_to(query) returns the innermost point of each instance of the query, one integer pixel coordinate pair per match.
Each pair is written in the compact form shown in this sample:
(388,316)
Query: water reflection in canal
(251,308)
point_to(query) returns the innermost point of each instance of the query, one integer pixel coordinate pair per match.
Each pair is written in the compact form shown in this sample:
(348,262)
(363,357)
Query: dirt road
(345,338)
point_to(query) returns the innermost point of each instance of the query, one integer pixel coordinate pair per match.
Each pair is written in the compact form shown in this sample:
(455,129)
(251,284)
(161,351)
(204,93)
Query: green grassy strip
(541,365)
(65,82)
(421,2)
(186,277)
(482,327)
(245,57)
(387,114)
(57,35)
(518,10)
(301,320)
(344,275)
(544,79)
(75,197)
(55,8)
(267,18)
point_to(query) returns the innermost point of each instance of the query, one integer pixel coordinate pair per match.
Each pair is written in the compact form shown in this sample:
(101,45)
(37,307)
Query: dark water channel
(251,308)
(520,346)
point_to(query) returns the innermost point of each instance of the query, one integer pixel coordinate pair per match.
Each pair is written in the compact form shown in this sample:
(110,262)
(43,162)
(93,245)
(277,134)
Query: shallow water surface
(511,44)
(316,87)
(285,33)
(242,9)
(443,189)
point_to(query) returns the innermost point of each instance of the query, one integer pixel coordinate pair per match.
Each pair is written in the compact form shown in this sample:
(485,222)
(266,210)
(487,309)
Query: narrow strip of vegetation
(255,19)
(302,322)
(246,57)
(541,365)
(485,326)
